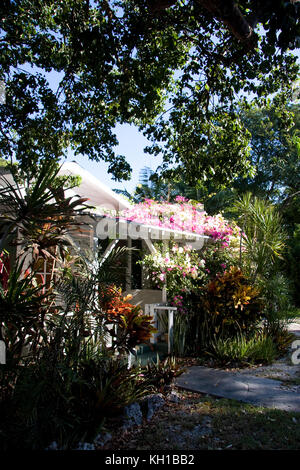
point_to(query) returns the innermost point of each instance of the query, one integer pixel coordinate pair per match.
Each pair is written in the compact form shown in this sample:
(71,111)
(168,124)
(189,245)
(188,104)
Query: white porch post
(164,289)
(150,310)
(170,330)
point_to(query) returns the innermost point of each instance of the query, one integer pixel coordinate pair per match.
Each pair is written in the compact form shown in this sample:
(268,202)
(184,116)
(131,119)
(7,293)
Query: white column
(164,289)
(170,330)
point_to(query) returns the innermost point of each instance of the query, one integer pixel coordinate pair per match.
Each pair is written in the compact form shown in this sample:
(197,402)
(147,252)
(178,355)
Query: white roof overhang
(99,194)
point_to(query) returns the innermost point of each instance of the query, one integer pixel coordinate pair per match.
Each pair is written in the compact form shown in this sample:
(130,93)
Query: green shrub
(162,373)
(293,263)
(278,311)
(243,351)
(55,402)
(277,296)
(263,236)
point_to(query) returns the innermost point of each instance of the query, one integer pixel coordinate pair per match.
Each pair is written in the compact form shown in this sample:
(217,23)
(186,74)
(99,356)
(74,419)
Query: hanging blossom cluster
(174,266)
(183,215)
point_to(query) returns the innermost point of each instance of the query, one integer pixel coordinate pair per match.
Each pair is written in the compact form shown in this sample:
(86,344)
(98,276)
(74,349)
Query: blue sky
(131,145)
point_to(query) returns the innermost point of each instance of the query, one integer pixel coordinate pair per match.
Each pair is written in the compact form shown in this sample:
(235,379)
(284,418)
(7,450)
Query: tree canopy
(275,151)
(179,70)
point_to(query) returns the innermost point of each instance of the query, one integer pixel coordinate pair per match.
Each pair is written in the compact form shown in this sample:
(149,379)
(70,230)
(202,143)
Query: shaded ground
(195,421)
(259,391)
(199,422)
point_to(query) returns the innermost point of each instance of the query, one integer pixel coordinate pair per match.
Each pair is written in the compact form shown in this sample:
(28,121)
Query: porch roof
(99,194)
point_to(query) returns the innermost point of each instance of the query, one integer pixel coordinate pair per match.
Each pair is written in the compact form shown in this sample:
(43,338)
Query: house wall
(83,235)
(145,296)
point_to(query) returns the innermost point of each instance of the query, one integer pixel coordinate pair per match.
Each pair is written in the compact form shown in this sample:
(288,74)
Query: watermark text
(296,354)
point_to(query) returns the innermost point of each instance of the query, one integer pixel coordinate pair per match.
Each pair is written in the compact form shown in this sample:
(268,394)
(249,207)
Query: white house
(110,231)
(102,228)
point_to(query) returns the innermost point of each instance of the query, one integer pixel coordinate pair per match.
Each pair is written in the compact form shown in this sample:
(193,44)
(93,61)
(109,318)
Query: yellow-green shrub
(231,302)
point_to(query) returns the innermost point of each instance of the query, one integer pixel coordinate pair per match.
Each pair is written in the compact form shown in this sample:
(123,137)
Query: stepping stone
(234,385)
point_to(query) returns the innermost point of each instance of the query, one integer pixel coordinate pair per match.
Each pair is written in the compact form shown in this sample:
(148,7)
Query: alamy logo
(123,229)
(296,354)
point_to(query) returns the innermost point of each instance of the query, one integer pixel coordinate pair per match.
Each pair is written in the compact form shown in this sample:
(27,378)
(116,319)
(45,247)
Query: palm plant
(82,295)
(69,383)
(37,218)
(263,244)
(36,213)
(23,308)
(262,238)
(111,268)
(279,310)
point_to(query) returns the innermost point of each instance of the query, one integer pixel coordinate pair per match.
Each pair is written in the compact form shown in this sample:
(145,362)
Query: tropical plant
(243,351)
(68,381)
(162,373)
(178,268)
(101,306)
(218,257)
(65,392)
(57,401)
(132,326)
(263,237)
(292,265)
(24,305)
(4,268)
(182,333)
(279,310)
(232,302)
(112,268)
(35,212)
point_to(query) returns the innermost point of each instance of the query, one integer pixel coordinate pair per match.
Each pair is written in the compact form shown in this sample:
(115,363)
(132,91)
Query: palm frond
(263,237)
(39,210)
(111,268)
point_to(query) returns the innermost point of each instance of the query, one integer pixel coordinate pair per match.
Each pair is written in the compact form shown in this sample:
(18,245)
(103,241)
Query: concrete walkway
(242,387)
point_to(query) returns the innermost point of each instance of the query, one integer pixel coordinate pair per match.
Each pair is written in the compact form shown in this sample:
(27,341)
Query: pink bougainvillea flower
(181,216)
(180,199)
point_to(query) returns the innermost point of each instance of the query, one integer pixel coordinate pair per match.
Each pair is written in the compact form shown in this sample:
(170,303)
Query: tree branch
(228,12)
(225,11)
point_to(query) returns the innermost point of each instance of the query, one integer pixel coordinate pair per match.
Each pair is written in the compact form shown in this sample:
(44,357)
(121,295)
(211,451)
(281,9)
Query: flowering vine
(183,215)
(176,267)
(179,268)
